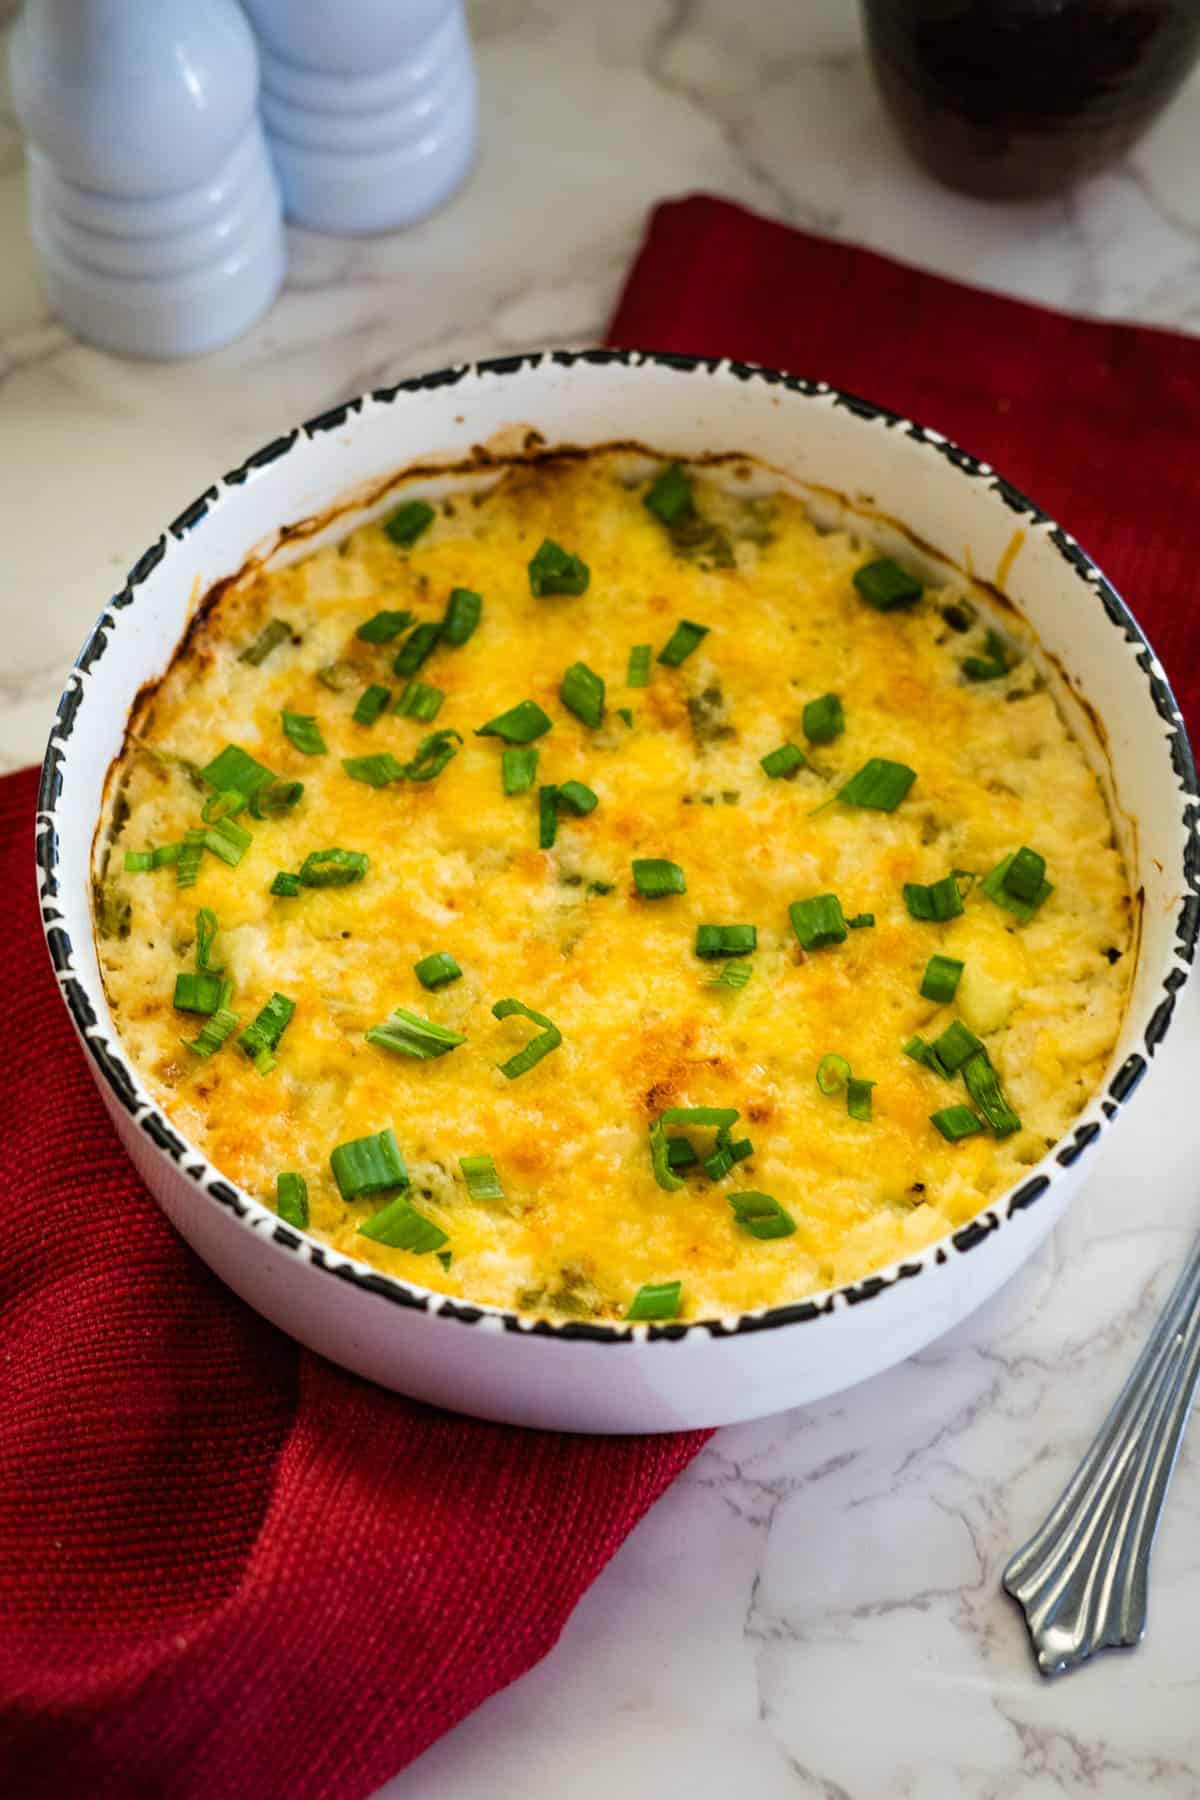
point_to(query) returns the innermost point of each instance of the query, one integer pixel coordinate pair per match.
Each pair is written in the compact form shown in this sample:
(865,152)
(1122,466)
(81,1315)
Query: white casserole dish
(855,460)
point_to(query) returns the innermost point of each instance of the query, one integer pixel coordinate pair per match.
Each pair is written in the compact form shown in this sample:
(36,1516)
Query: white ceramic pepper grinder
(369,106)
(153,203)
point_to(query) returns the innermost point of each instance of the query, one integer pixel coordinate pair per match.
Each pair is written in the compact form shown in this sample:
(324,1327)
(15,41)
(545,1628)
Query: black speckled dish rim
(123,1084)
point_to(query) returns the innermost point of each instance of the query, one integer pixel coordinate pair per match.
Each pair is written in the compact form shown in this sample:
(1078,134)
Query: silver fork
(1081,1579)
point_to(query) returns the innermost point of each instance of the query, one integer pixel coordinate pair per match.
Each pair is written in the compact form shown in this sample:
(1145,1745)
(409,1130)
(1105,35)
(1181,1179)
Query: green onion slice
(417,648)
(681,1152)
(302,730)
(274,798)
(685,638)
(234,770)
(402,1227)
(638,673)
(383,627)
(222,806)
(941,978)
(206,931)
(1019,884)
(198,992)
(333,868)
(376,771)
(625,713)
(879,785)
(371,703)
(410,1035)
(992,665)
(662,1159)
(286,885)
(228,841)
(886,586)
(262,1036)
(983,1085)
(420,701)
(273,633)
(433,753)
(921,1052)
(547,816)
(833,1074)
(463,611)
(761,1215)
(956,1122)
(407,523)
(940,900)
(481,1177)
(549,1038)
(858,1098)
(721,1117)
(519,725)
(437,969)
(577,797)
(784,763)
(818,921)
(191,854)
(368,1165)
(137,862)
(656,1300)
(213,1033)
(518,770)
(824,719)
(655,878)
(669,496)
(337,676)
(582,692)
(861,921)
(726,940)
(291,1199)
(734,975)
(553,570)
(954,1047)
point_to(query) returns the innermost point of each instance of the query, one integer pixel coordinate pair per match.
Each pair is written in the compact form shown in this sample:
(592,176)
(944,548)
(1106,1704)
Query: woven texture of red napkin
(227,1568)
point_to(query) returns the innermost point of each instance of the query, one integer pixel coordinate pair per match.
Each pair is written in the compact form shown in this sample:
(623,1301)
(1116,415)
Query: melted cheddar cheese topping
(455,865)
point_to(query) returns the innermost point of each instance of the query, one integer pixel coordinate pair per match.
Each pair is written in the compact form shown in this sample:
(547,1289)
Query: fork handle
(1081,1579)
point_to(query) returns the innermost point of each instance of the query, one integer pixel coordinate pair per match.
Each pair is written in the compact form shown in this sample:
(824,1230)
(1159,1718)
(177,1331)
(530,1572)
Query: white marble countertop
(814,1609)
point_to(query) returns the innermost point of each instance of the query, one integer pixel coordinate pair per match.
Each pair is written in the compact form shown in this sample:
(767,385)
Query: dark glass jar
(1014,99)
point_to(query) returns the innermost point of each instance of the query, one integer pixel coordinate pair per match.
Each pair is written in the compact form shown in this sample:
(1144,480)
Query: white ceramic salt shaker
(369,107)
(153,203)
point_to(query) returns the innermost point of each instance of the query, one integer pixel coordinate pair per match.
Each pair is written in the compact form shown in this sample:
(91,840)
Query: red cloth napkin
(229,1569)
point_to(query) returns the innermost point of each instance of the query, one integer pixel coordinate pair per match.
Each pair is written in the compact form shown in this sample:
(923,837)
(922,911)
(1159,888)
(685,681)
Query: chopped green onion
(954,1046)
(655,877)
(206,931)
(784,763)
(416,648)
(383,627)
(337,676)
(638,673)
(402,1227)
(734,975)
(518,770)
(725,1154)
(166,855)
(886,586)
(286,885)
(940,900)
(992,665)
(722,1117)
(824,719)
(291,1200)
(235,771)
(670,495)
(407,523)
(273,633)
(274,798)
(941,978)
(683,640)
(213,1032)
(368,1165)
(222,806)
(371,703)
(437,970)
(582,692)
(879,785)
(858,1098)
(433,753)
(481,1177)
(553,570)
(983,1085)
(861,921)
(681,1153)
(726,940)
(1019,884)
(445,1257)
(463,610)
(333,868)
(547,816)
(302,730)
(420,701)
(519,725)
(656,1300)
(410,1035)
(956,1122)
(626,713)
(662,1158)
(577,797)
(761,1215)
(198,993)
(833,1074)
(818,921)
(923,1053)
(137,862)
(191,854)
(549,1038)
(261,1036)
(228,841)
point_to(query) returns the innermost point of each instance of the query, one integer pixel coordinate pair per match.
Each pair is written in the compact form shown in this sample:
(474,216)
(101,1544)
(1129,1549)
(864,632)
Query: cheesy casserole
(609,895)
